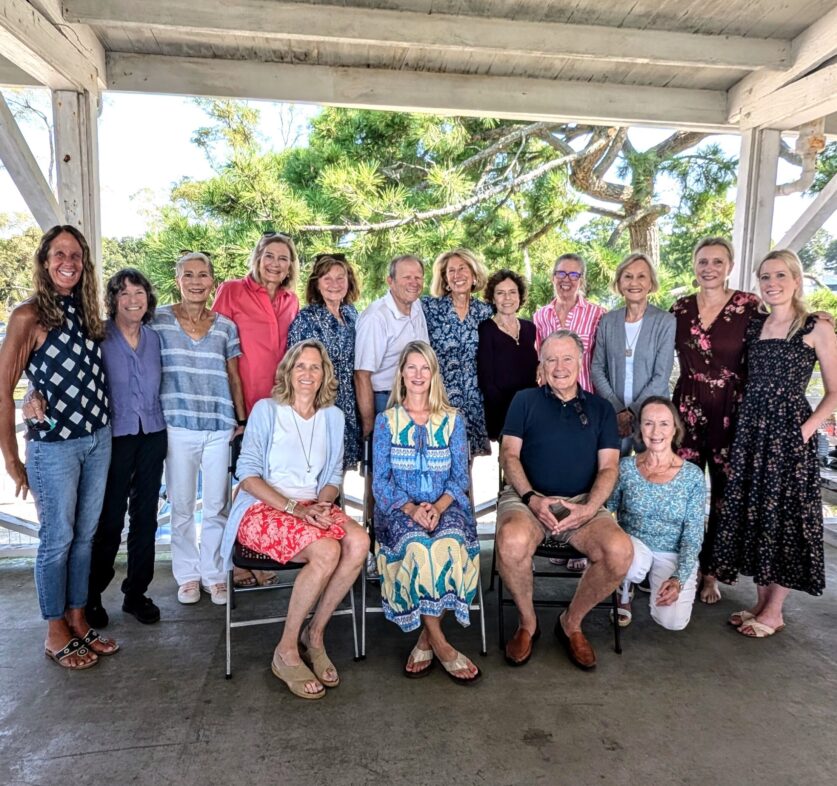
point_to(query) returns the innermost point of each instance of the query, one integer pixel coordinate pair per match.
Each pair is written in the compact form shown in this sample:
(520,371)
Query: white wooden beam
(451,94)
(75,116)
(363,26)
(809,98)
(821,208)
(35,45)
(810,49)
(754,202)
(25,172)
(12,76)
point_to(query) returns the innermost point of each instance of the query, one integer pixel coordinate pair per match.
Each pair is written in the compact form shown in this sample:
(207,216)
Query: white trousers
(191,452)
(660,566)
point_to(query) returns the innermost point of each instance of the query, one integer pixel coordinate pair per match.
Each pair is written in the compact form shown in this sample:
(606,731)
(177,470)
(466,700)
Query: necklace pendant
(628,352)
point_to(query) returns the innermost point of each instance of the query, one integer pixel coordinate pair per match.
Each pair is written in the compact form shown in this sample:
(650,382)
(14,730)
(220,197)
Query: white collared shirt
(382,331)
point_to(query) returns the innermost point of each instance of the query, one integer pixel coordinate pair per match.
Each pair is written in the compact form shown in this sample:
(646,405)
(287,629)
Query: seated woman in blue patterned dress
(330,318)
(453,317)
(427,547)
(660,501)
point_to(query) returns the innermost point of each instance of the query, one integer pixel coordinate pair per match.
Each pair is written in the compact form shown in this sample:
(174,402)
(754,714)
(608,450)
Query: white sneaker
(218,593)
(189,592)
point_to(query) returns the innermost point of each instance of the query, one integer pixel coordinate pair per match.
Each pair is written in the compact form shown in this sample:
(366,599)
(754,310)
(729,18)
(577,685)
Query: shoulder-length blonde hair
(800,309)
(625,263)
(293,270)
(86,292)
(439,404)
(283,392)
(438,284)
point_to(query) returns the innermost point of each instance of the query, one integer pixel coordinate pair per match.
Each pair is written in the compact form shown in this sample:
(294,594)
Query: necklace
(310,441)
(649,472)
(629,346)
(514,335)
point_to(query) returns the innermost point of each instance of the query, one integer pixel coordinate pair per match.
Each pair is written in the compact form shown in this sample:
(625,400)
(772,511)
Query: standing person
(453,317)
(570,311)
(330,317)
(427,546)
(770,524)
(507,360)
(262,305)
(131,352)
(54,337)
(710,329)
(202,403)
(634,351)
(383,330)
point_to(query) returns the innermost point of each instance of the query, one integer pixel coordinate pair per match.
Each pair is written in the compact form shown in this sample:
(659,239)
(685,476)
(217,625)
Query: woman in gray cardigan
(290,471)
(634,346)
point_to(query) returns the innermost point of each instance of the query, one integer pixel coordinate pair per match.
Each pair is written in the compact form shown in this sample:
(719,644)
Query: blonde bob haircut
(264,241)
(800,309)
(714,241)
(439,285)
(627,262)
(283,392)
(439,404)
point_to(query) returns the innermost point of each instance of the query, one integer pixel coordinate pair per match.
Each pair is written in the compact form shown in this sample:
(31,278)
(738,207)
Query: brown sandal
(295,678)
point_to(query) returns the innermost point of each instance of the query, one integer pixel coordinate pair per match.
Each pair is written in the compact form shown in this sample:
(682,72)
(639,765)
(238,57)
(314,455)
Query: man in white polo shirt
(382,331)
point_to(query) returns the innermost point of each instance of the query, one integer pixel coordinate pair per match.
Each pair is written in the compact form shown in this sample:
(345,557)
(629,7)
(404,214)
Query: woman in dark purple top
(131,353)
(507,360)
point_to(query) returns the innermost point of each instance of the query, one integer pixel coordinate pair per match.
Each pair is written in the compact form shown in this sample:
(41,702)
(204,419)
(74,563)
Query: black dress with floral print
(770,524)
(710,388)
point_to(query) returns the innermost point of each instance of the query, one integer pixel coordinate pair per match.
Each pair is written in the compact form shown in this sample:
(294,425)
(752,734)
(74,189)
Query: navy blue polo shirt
(560,453)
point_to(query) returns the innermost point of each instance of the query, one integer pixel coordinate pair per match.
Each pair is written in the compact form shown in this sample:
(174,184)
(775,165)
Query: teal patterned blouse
(664,516)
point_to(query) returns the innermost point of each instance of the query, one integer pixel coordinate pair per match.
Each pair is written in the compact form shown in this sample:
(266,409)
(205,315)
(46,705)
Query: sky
(145,147)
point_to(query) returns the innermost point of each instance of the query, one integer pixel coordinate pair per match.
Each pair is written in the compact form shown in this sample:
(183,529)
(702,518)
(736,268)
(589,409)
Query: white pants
(660,566)
(191,452)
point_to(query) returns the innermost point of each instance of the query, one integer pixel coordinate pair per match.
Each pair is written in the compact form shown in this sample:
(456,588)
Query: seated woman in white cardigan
(290,471)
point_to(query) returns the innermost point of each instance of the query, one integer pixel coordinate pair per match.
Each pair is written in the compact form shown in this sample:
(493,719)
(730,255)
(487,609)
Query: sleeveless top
(67,370)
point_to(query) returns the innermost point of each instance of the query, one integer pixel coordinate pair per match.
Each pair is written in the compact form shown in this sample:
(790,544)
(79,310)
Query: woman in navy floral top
(659,501)
(330,318)
(453,318)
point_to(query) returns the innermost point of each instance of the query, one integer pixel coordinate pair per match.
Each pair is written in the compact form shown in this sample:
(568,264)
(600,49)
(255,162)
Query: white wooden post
(815,215)
(757,170)
(75,116)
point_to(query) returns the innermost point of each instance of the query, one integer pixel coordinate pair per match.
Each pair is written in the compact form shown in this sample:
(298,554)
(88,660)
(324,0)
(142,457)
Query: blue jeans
(67,480)
(381,399)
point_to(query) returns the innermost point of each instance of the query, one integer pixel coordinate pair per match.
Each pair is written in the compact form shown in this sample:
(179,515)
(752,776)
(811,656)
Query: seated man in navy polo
(560,455)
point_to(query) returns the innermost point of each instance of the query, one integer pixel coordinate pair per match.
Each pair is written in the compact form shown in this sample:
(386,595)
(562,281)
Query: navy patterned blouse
(455,343)
(316,321)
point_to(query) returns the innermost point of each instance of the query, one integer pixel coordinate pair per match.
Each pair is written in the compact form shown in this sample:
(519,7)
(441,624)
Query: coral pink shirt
(262,328)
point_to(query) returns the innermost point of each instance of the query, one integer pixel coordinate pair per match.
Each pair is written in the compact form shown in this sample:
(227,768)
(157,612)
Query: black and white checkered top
(67,370)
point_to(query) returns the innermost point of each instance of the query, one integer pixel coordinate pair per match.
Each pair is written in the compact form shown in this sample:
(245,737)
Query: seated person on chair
(427,547)
(560,455)
(660,500)
(291,468)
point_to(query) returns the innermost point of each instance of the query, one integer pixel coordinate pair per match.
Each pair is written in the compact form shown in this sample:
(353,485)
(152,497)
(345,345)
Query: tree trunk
(645,237)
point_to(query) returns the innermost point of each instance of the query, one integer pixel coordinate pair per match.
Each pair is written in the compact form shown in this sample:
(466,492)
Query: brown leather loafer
(519,647)
(578,648)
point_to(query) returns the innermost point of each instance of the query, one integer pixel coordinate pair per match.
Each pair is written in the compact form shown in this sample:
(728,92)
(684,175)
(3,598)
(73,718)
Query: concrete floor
(704,706)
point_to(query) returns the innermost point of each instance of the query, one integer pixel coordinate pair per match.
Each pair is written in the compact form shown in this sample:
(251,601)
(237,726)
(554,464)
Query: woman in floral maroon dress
(711,326)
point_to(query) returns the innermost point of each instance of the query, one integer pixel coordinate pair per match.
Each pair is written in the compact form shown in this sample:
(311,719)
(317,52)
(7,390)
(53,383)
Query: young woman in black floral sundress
(770,524)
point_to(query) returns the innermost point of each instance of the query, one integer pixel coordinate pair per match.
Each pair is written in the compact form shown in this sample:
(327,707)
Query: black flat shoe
(144,609)
(96,615)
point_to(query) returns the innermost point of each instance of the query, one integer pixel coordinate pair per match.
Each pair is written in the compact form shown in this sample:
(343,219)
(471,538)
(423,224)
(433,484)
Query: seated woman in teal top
(660,501)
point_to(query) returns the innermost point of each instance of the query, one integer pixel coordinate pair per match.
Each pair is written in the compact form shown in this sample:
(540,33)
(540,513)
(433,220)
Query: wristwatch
(527,496)
(290,506)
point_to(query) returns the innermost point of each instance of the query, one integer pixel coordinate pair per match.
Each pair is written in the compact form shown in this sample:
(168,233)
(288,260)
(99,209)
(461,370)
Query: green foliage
(823,300)
(826,167)
(19,239)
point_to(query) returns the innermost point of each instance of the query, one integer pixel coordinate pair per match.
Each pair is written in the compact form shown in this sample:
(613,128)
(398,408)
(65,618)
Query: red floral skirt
(282,536)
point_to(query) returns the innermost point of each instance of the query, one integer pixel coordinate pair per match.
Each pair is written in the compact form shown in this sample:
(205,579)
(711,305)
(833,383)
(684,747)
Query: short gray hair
(181,263)
(393,263)
(563,333)
(573,258)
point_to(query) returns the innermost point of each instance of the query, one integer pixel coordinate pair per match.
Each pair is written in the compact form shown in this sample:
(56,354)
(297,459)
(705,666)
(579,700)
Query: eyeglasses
(582,415)
(184,251)
(572,274)
(330,255)
(279,235)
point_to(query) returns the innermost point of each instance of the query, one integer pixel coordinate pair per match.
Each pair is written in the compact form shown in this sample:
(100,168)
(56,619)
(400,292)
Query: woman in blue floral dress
(427,547)
(330,318)
(453,318)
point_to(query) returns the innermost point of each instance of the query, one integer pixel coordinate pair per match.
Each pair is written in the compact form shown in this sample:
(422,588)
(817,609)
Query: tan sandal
(760,630)
(738,618)
(459,663)
(418,655)
(320,663)
(295,678)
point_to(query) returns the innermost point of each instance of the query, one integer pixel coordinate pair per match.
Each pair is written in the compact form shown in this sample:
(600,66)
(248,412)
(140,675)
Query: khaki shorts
(509,503)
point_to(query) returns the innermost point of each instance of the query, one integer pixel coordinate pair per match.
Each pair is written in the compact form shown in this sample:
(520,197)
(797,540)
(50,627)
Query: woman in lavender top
(659,501)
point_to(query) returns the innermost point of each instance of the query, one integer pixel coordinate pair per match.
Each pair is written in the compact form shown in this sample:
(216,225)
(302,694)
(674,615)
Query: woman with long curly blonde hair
(54,337)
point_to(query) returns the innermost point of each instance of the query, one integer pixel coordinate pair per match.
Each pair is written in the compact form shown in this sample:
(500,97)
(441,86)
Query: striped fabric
(583,319)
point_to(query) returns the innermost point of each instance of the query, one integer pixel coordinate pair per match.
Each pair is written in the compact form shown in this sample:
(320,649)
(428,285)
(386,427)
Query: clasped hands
(579,513)
(425,514)
(318,515)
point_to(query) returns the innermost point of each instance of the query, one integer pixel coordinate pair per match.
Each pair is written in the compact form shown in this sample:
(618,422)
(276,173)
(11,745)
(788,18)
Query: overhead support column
(75,116)
(757,171)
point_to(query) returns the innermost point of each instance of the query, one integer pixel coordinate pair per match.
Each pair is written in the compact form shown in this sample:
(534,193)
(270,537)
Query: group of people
(430,380)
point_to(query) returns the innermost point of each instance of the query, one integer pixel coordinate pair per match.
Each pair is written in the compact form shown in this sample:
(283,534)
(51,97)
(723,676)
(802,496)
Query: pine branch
(652,210)
(677,143)
(522,133)
(606,161)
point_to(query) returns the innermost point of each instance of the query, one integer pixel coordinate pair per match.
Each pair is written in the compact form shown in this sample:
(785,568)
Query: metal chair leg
(501,620)
(493,565)
(617,631)
(354,621)
(484,650)
(363,611)
(228,632)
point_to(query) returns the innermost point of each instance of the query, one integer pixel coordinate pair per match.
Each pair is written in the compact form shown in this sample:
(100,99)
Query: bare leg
(771,610)
(58,634)
(609,551)
(710,593)
(79,626)
(517,538)
(423,643)
(441,646)
(321,559)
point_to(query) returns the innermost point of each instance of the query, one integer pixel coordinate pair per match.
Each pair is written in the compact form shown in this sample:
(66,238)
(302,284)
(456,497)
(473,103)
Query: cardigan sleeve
(254,445)
(336,422)
(486,368)
(598,367)
(388,496)
(658,382)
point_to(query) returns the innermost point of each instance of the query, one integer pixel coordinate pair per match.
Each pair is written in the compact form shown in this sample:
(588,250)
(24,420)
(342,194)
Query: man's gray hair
(400,258)
(563,333)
